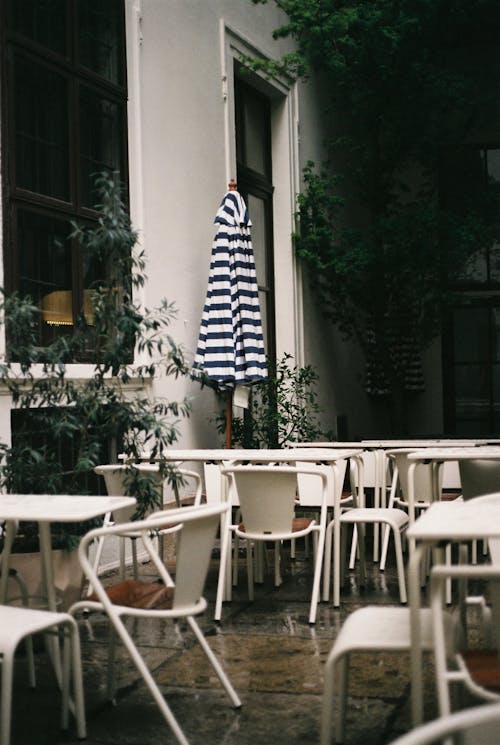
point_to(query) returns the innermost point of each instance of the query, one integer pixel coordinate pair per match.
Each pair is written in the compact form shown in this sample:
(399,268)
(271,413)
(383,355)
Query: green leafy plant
(63,427)
(402,82)
(282,410)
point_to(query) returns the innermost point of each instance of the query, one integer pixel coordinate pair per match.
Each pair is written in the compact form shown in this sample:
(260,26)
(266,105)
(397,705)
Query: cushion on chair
(133,593)
(450,496)
(484,667)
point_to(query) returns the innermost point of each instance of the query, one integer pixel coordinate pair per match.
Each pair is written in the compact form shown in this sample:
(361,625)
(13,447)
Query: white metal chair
(359,516)
(475,670)
(164,600)
(370,629)
(115,478)
(423,489)
(17,624)
(477,725)
(267,496)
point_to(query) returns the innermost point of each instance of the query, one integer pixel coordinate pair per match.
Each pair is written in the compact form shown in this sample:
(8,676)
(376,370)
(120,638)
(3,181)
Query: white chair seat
(394,517)
(17,624)
(370,629)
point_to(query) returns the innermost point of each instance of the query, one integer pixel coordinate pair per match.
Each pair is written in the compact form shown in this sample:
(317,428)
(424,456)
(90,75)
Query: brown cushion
(133,593)
(484,667)
(449,496)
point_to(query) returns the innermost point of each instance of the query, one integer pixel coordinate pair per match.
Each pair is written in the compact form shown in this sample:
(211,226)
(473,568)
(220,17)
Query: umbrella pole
(229,419)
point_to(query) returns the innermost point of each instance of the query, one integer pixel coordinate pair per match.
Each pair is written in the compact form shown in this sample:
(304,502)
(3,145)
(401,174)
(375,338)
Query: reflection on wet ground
(272,655)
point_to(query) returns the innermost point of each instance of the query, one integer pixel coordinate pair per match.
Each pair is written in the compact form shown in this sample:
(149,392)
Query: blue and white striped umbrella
(231,345)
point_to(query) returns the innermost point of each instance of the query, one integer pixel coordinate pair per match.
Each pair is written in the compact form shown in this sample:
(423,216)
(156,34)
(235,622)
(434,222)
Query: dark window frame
(477,295)
(79,80)
(259,185)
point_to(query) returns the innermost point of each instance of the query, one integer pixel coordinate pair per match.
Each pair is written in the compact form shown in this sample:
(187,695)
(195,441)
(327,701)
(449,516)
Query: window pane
(494,165)
(45,270)
(100,38)
(42,21)
(41,129)
(472,399)
(256,210)
(101,138)
(471,334)
(256,114)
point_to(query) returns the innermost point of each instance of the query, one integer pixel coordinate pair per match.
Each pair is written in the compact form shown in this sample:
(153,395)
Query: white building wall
(182,152)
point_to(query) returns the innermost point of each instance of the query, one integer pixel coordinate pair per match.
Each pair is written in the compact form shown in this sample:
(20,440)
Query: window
(254,177)
(64,119)
(470,183)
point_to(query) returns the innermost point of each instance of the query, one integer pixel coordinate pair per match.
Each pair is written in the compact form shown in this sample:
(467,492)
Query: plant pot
(67,577)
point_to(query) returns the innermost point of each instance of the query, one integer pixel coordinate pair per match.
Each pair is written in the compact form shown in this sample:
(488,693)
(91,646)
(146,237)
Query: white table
(46,509)
(378,448)
(327,455)
(447,522)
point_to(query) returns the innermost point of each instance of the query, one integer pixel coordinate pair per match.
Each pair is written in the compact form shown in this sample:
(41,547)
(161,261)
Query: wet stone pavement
(274,659)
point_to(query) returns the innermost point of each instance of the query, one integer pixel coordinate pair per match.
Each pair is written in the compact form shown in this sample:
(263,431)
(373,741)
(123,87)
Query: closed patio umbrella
(230,349)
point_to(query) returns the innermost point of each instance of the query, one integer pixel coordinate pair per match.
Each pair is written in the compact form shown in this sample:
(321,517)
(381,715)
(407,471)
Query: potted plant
(63,427)
(283,409)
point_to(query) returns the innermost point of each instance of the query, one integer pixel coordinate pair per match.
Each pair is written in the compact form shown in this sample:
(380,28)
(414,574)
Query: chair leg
(28,642)
(111,664)
(327,705)
(327,564)
(354,548)
(336,677)
(151,685)
(122,558)
(6,701)
(236,548)
(342,684)
(448,581)
(277,563)
(214,662)
(362,555)
(400,564)
(134,558)
(250,570)
(76,661)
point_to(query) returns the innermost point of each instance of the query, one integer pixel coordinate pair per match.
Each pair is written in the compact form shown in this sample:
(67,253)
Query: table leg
(10,534)
(50,592)
(224,565)
(415,636)
(379,498)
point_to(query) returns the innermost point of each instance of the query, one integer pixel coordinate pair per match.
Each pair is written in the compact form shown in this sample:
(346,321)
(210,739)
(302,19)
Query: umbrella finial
(232,185)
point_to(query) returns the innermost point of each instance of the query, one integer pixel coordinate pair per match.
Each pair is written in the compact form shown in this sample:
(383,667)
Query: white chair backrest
(422,479)
(115,476)
(266,498)
(216,484)
(479,477)
(369,469)
(196,529)
(310,487)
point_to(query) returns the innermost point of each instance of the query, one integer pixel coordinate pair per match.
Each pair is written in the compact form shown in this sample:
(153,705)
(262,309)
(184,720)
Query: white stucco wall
(182,153)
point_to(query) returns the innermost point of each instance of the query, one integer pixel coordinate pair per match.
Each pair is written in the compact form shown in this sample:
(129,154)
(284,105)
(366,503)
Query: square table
(441,522)
(46,509)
